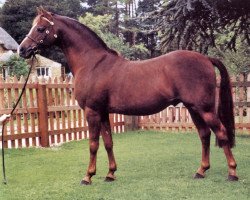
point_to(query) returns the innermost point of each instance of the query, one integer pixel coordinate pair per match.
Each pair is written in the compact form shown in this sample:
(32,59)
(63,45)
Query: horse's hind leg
(204,133)
(108,143)
(94,122)
(215,124)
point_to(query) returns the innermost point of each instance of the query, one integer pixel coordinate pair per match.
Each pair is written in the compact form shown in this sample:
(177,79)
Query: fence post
(131,123)
(43,115)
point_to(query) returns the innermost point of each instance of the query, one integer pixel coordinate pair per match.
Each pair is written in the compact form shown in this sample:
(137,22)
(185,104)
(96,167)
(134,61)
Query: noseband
(47,32)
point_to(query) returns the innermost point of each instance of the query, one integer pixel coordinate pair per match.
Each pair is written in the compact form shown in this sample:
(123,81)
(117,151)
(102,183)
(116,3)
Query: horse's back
(181,69)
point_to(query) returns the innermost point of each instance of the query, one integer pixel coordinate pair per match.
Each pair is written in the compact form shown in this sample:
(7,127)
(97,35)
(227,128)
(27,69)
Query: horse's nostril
(26,52)
(21,49)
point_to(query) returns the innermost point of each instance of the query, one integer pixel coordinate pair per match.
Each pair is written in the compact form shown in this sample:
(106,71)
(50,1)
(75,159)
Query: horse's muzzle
(26,52)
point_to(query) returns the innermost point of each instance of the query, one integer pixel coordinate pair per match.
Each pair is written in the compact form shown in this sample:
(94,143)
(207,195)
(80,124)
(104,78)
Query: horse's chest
(90,95)
(80,97)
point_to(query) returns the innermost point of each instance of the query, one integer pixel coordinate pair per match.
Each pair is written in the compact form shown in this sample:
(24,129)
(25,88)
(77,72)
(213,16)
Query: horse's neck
(79,51)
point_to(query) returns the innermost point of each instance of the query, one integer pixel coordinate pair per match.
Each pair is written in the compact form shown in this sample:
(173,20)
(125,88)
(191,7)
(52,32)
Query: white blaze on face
(33,27)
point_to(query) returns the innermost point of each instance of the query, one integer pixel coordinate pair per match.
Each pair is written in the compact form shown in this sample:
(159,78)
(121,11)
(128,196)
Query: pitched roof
(7,41)
(4,57)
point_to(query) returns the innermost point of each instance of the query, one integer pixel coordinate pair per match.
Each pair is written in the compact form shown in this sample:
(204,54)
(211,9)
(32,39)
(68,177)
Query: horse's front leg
(94,123)
(108,143)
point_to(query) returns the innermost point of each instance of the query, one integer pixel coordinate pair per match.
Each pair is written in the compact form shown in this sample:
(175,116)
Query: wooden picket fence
(178,119)
(48,113)
(170,119)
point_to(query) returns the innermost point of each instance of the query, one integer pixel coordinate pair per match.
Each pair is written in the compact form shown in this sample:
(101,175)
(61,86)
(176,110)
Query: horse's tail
(225,108)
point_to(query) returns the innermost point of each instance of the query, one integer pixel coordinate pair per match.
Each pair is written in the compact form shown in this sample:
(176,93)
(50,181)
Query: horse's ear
(39,11)
(44,12)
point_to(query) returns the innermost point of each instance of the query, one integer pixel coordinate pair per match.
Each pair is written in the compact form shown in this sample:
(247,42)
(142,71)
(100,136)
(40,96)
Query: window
(5,71)
(43,71)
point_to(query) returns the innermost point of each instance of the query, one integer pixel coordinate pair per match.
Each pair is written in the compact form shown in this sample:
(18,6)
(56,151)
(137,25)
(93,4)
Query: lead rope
(14,108)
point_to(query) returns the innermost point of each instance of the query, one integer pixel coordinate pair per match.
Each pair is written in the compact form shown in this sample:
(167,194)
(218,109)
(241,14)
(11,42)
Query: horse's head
(43,33)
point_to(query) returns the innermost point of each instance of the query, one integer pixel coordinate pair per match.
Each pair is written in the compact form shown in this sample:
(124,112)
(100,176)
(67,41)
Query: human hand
(3,118)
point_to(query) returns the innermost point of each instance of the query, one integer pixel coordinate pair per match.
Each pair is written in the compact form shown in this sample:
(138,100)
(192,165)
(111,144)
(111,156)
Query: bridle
(47,32)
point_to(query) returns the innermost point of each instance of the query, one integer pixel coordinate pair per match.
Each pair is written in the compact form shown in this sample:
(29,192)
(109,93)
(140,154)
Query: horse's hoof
(109,179)
(232,178)
(198,176)
(83,182)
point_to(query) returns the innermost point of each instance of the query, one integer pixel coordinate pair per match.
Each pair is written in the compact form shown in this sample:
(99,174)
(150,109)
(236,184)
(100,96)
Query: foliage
(193,24)
(140,29)
(145,26)
(17,66)
(151,165)
(101,7)
(236,61)
(100,24)
(125,24)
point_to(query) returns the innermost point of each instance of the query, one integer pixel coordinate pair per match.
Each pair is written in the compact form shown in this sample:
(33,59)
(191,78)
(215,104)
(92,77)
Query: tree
(101,7)
(17,66)
(100,24)
(146,33)
(110,7)
(125,24)
(193,24)
(237,62)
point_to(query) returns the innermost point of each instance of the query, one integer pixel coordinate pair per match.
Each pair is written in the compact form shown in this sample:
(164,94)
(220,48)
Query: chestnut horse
(105,82)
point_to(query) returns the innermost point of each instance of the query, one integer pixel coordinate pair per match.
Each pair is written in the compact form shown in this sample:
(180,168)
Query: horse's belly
(145,107)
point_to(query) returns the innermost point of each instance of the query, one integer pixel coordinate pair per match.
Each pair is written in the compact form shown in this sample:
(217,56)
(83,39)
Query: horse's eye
(41,29)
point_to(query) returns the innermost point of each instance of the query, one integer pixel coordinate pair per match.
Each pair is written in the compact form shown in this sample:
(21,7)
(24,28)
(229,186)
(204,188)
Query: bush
(17,66)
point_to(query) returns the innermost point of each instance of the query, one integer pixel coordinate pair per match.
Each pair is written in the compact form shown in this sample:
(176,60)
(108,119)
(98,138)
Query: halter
(38,43)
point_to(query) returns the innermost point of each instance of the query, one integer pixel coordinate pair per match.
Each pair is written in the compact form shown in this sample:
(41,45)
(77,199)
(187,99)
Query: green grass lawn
(151,165)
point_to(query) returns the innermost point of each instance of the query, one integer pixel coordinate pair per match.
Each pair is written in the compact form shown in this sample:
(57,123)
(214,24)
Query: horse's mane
(81,27)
